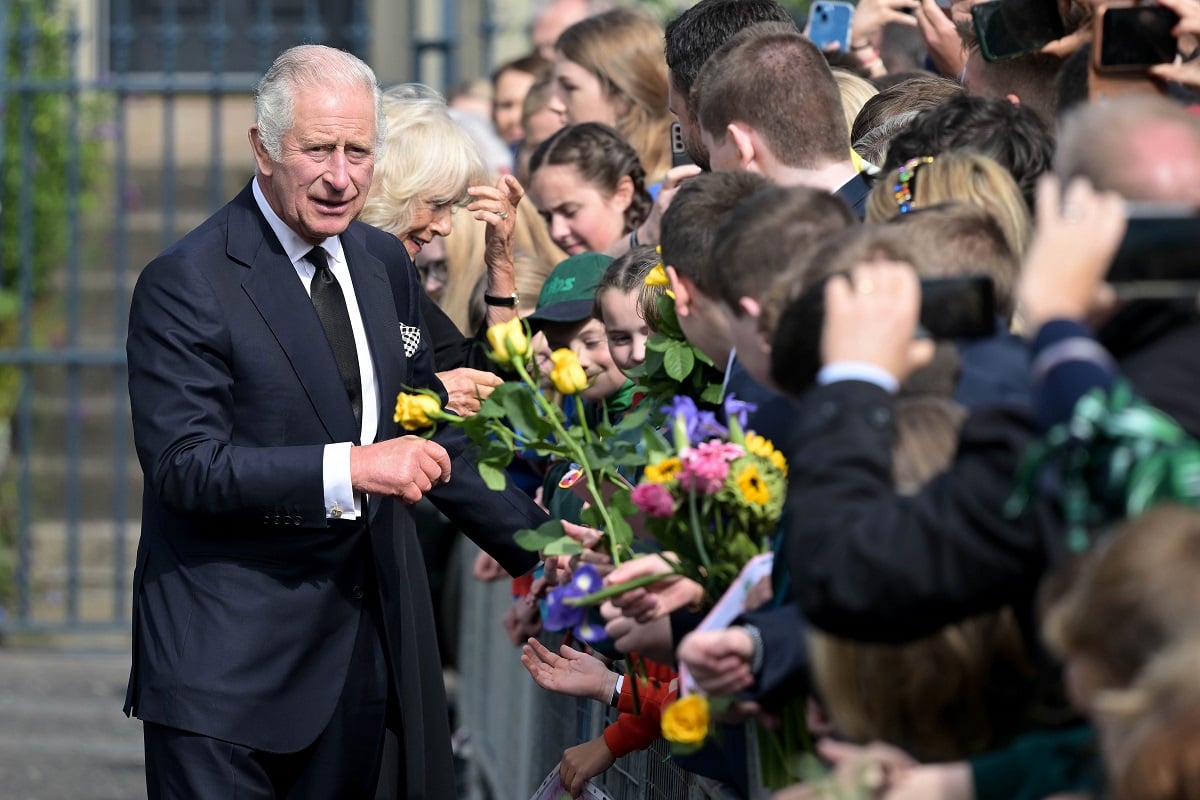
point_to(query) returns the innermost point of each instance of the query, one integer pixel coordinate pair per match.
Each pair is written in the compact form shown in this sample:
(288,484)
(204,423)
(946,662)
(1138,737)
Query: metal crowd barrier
(518,731)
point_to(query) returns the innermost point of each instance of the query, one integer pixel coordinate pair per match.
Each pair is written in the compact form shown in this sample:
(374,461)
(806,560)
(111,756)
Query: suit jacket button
(358,593)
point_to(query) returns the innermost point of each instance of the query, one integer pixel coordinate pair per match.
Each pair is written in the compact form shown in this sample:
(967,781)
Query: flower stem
(551,413)
(694,513)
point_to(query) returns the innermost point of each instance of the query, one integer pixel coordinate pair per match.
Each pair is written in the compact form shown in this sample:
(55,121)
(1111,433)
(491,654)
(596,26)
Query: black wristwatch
(502,302)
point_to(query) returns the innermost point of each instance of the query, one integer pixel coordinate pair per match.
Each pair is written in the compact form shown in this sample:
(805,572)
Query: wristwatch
(502,302)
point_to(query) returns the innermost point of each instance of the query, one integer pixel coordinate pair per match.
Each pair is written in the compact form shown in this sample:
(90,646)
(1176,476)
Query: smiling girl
(589,186)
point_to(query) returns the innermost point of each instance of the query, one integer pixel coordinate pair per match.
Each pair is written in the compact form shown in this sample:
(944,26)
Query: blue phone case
(829,25)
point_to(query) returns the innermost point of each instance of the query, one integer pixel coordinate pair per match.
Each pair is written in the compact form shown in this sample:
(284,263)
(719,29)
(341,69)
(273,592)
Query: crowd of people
(981,583)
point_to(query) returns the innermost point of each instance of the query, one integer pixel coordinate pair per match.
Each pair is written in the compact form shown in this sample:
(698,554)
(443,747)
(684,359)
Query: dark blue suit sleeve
(203,447)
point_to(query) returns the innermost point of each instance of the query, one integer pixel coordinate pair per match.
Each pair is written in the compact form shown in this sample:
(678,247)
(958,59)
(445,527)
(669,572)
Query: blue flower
(589,631)
(707,428)
(739,410)
(587,579)
(556,614)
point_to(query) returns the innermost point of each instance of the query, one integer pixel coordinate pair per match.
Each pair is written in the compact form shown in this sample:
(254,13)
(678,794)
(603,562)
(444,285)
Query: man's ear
(753,309)
(743,140)
(261,157)
(682,287)
(750,307)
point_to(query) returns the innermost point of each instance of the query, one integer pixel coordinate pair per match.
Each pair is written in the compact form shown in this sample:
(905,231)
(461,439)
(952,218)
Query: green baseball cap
(569,293)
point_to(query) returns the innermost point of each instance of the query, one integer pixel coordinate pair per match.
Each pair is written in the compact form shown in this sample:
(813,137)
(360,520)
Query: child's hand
(571,672)
(583,762)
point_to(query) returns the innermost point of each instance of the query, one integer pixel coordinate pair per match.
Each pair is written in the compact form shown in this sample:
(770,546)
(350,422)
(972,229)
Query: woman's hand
(497,206)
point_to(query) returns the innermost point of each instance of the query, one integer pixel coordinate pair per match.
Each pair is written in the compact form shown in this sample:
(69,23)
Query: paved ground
(62,733)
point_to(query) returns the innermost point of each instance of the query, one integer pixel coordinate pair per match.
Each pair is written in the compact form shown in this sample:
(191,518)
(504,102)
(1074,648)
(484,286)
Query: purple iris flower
(739,410)
(682,409)
(707,428)
(556,614)
(587,579)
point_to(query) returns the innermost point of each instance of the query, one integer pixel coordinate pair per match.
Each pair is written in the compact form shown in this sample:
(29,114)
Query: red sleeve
(631,732)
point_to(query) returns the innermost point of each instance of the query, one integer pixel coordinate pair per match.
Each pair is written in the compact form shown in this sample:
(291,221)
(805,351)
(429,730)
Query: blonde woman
(957,175)
(611,69)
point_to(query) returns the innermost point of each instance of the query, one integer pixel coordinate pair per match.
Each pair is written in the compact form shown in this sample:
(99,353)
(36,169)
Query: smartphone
(1159,256)
(1009,28)
(1134,38)
(829,24)
(679,153)
(961,307)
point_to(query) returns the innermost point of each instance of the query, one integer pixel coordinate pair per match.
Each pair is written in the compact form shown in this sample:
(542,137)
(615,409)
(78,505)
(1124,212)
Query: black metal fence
(123,126)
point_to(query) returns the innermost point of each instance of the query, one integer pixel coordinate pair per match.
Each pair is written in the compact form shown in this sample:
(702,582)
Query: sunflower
(762,447)
(752,486)
(664,471)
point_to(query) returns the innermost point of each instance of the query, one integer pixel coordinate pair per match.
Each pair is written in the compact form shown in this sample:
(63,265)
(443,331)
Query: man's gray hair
(309,66)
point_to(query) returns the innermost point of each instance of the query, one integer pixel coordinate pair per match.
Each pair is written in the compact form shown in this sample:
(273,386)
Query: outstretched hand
(570,672)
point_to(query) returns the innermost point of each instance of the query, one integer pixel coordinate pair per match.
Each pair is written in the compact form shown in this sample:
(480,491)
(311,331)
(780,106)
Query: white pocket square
(411,336)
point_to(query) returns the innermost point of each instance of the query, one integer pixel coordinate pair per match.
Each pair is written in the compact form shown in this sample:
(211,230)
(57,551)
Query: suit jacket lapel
(273,287)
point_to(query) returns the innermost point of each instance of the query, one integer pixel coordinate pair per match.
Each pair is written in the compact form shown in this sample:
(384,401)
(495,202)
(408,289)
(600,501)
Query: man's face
(677,103)
(320,183)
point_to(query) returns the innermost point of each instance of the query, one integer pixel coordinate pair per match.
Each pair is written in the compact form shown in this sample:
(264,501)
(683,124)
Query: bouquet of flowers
(713,495)
(518,415)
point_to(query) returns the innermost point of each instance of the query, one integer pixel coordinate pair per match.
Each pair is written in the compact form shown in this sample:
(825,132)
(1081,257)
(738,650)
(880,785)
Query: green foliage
(673,366)
(40,152)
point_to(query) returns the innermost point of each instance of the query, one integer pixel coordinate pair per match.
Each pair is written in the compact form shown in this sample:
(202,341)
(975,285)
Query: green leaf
(712,393)
(523,414)
(563,546)
(537,538)
(679,360)
(493,476)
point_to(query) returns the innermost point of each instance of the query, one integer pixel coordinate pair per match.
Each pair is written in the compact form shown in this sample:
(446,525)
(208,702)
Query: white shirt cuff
(340,500)
(858,371)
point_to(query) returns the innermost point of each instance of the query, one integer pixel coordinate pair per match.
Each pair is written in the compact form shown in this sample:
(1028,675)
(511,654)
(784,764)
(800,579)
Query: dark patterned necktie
(330,303)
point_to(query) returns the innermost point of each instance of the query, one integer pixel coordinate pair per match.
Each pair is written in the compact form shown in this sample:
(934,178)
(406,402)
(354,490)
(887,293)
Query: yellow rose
(567,376)
(416,411)
(658,277)
(686,720)
(508,340)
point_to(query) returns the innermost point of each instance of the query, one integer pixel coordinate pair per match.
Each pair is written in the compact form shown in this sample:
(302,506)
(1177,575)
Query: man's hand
(659,598)
(1076,237)
(583,762)
(406,467)
(467,389)
(652,639)
(719,660)
(651,230)
(872,318)
(571,672)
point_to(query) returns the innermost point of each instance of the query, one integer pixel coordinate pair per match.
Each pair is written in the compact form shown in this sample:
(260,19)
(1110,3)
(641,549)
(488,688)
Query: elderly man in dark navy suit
(283,638)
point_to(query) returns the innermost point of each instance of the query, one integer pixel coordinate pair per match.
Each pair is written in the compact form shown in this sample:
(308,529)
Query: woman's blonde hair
(961,176)
(426,158)
(624,50)
(855,92)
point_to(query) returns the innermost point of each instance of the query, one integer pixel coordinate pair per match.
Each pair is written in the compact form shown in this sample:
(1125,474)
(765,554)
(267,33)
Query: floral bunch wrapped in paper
(713,495)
